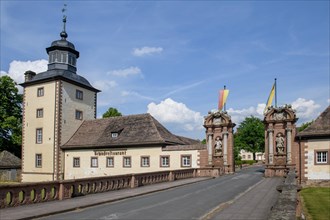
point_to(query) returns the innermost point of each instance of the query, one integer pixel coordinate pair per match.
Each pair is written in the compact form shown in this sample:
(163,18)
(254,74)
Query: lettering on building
(109,152)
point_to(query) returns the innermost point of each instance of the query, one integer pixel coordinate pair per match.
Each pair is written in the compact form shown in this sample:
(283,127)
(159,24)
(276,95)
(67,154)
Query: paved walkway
(255,203)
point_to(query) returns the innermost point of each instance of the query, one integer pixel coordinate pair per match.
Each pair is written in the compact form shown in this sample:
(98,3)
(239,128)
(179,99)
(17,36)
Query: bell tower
(55,103)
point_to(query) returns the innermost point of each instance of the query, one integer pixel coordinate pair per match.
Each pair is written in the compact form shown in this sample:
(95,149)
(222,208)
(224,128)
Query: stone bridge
(13,195)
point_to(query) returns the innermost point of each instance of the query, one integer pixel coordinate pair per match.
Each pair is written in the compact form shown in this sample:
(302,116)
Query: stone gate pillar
(220,141)
(209,147)
(279,129)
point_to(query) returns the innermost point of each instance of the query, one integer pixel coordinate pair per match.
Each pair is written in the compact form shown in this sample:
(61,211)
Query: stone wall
(10,175)
(287,203)
(203,158)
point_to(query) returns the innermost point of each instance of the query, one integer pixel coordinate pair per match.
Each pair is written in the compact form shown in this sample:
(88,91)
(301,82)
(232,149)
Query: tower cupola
(62,53)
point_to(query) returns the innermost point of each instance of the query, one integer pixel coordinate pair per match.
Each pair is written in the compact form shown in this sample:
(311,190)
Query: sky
(171,58)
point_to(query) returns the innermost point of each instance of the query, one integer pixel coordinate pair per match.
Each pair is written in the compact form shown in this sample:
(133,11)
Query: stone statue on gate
(280,144)
(218,146)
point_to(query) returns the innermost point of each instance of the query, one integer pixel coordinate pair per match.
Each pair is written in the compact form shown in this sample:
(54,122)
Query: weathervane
(64,35)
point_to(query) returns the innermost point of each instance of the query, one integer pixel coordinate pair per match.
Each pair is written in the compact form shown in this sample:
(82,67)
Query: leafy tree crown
(112,112)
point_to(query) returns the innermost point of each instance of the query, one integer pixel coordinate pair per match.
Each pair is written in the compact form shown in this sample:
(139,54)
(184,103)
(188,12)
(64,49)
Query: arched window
(72,60)
(63,57)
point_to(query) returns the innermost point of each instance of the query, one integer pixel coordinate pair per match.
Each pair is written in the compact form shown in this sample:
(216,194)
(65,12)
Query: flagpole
(275,94)
(224,106)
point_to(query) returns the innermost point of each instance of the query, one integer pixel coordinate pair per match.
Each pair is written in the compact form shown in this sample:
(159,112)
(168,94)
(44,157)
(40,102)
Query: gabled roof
(9,160)
(320,127)
(133,130)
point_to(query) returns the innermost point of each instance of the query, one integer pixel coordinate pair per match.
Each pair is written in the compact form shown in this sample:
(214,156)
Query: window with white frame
(322,157)
(164,161)
(186,160)
(94,162)
(76,162)
(40,91)
(38,160)
(126,161)
(145,161)
(110,162)
(39,135)
(40,112)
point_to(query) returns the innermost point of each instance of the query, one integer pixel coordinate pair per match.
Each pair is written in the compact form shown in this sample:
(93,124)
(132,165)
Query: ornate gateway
(220,141)
(279,142)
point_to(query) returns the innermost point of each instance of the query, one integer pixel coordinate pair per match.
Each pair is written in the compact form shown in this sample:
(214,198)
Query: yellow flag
(270,98)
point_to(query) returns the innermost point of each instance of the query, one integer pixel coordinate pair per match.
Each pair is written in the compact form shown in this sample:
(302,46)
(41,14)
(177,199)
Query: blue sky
(170,58)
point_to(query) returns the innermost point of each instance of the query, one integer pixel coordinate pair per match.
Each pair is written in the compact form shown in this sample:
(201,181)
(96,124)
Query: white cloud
(125,72)
(104,85)
(306,109)
(237,116)
(260,109)
(18,68)
(183,88)
(135,94)
(139,52)
(170,111)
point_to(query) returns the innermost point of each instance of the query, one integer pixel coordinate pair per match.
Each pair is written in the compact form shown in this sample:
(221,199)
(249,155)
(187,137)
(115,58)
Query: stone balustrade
(143,179)
(183,174)
(28,193)
(12,195)
(286,205)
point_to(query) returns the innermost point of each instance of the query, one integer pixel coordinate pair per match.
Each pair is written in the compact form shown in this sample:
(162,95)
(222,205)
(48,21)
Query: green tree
(304,126)
(10,116)
(250,136)
(112,112)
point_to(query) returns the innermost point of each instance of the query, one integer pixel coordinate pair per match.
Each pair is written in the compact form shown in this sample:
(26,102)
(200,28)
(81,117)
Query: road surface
(193,201)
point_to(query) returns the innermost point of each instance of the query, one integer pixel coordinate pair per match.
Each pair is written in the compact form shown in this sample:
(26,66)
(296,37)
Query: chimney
(29,75)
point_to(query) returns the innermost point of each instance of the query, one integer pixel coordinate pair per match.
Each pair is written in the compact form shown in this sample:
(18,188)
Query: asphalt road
(186,202)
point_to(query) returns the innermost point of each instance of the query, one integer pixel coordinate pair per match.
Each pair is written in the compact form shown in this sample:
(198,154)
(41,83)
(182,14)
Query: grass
(316,202)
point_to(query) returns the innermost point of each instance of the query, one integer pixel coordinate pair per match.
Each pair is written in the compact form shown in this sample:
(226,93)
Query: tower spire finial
(63,34)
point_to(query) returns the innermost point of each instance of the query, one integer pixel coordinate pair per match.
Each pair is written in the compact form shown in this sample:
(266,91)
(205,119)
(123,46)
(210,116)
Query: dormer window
(114,134)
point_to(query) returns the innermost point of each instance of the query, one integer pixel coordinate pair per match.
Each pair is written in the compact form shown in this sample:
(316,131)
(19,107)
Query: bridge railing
(287,202)
(28,193)
(12,195)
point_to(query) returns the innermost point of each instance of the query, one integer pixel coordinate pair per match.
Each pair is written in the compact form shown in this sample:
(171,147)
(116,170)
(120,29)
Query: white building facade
(126,145)
(314,145)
